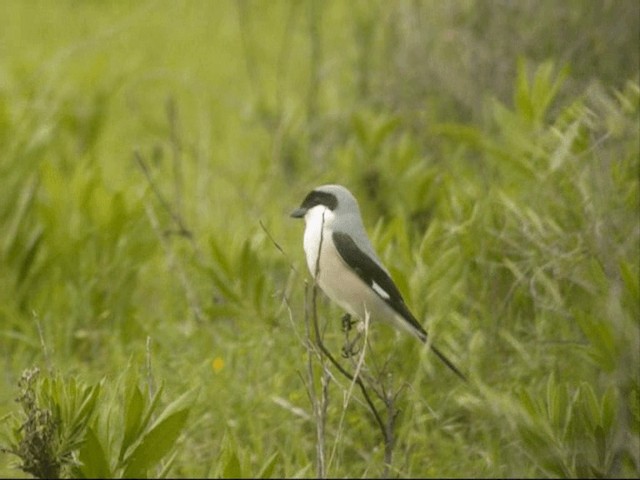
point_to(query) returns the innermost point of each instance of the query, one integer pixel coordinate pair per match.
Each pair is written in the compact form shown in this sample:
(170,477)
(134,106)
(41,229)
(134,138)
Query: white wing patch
(380,291)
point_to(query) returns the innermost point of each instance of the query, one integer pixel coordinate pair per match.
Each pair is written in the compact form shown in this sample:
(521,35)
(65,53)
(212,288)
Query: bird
(344,264)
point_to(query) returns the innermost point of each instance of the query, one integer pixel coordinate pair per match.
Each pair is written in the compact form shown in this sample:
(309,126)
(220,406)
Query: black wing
(371,273)
(374,276)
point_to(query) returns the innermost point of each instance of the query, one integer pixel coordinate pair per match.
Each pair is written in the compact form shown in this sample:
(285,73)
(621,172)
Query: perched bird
(344,264)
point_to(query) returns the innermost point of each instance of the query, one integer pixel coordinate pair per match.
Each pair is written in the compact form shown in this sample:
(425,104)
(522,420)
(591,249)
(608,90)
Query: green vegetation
(154,300)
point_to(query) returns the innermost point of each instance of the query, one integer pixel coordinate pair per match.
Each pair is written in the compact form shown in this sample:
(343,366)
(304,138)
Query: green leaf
(522,97)
(591,406)
(232,467)
(609,405)
(556,402)
(183,401)
(160,438)
(133,419)
(155,444)
(599,333)
(24,203)
(563,150)
(267,470)
(93,460)
(87,407)
(151,408)
(601,447)
(632,285)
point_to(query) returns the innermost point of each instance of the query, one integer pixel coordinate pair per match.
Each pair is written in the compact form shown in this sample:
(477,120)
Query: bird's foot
(350,348)
(347,322)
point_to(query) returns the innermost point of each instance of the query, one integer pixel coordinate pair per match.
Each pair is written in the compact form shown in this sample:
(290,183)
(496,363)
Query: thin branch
(175,216)
(192,296)
(352,383)
(277,245)
(319,413)
(176,148)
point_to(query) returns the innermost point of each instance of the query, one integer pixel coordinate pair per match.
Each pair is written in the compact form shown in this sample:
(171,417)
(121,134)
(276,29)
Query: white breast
(315,220)
(336,279)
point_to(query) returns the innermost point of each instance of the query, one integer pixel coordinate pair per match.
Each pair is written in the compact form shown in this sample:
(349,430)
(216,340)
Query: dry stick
(192,297)
(176,148)
(389,399)
(336,364)
(318,413)
(176,217)
(277,245)
(356,374)
(389,436)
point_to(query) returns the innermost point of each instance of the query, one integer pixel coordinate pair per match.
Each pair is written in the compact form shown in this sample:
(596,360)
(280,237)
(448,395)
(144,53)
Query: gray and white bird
(344,264)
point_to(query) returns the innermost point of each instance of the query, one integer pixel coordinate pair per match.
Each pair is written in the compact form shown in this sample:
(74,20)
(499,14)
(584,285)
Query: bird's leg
(349,349)
(347,322)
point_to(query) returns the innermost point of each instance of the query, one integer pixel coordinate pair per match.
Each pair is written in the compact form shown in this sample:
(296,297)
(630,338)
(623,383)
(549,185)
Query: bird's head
(332,202)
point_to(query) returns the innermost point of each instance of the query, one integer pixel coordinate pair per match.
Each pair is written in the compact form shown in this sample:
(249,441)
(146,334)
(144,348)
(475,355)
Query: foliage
(54,420)
(150,154)
(61,434)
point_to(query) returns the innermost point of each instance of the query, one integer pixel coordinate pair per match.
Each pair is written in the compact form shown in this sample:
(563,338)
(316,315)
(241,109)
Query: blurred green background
(150,153)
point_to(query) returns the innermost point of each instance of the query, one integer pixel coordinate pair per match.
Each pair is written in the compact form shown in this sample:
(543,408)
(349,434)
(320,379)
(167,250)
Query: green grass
(150,154)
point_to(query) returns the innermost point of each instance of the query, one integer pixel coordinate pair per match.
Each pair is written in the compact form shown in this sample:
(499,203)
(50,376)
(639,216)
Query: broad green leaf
(556,402)
(132,419)
(184,401)
(155,444)
(93,460)
(151,408)
(232,467)
(522,95)
(598,331)
(591,406)
(600,437)
(90,397)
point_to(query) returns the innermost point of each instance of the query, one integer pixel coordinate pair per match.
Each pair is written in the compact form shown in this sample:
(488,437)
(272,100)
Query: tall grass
(150,155)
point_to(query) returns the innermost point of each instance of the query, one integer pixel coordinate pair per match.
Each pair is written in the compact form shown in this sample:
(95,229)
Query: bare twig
(319,406)
(174,265)
(352,383)
(43,344)
(175,216)
(176,148)
(277,245)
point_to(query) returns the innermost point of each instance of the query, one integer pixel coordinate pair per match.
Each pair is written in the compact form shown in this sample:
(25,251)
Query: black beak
(298,212)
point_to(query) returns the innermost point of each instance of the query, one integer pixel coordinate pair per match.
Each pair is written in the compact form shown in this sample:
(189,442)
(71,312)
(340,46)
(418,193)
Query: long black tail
(449,363)
(421,333)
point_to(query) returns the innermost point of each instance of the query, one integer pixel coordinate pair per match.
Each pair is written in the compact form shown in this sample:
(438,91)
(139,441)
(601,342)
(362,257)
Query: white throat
(318,221)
